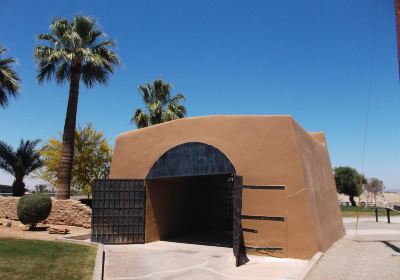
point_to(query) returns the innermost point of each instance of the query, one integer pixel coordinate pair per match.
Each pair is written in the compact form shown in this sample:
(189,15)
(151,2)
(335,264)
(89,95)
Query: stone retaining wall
(8,207)
(63,212)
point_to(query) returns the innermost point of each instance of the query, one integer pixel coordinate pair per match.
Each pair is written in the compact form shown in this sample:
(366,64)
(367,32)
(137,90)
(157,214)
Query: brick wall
(63,212)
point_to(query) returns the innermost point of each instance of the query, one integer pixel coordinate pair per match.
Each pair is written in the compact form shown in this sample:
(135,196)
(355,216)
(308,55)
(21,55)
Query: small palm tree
(20,162)
(160,105)
(9,80)
(73,51)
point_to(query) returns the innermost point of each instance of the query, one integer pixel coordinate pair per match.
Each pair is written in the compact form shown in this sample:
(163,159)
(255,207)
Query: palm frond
(50,38)
(140,118)
(59,27)
(177,98)
(63,73)
(28,159)
(94,35)
(45,72)
(102,45)
(83,25)
(9,80)
(7,158)
(6,61)
(92,74)
(3,98)
(160,106)
(75,45)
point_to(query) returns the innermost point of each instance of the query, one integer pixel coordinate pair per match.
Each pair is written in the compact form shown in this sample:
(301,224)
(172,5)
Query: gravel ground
(360,257)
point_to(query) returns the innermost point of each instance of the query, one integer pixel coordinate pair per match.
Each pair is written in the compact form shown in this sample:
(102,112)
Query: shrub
(33,208)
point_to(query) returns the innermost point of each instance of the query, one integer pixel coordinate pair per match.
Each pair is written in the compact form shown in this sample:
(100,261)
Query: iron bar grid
(118,211)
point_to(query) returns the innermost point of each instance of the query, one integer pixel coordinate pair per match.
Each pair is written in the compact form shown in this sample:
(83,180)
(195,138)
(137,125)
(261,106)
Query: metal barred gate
(118,211)
(239,249)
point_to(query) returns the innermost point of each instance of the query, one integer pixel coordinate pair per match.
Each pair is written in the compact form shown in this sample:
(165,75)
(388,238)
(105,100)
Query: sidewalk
(169,260)
(363,253)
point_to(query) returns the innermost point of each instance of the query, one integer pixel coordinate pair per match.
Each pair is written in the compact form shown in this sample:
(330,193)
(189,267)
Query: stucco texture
(265,150)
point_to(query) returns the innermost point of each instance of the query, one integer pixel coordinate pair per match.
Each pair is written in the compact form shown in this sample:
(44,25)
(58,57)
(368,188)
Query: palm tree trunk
(18,187)
(64,172)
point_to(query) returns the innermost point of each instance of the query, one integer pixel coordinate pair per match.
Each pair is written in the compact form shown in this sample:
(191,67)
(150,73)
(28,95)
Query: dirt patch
(18,232)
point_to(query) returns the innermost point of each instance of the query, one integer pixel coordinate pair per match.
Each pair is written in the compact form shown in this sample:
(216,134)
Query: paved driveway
(168,260)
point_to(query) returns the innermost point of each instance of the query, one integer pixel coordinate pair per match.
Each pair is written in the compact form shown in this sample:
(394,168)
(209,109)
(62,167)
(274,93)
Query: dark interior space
(193,209)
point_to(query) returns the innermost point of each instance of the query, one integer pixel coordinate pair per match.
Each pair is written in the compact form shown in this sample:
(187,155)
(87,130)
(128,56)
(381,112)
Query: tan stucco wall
(319,179)
(265,150)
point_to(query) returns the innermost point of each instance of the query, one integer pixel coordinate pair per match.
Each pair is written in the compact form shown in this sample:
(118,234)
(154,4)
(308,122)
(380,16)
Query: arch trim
(191,159)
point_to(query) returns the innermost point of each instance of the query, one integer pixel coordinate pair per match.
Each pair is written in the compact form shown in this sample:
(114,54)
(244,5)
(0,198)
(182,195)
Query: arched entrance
(190,188)
(191,194)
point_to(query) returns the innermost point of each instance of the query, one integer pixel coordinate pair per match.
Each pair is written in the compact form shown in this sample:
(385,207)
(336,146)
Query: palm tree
(9,80)
(73,51)
(160,105)
(20,162)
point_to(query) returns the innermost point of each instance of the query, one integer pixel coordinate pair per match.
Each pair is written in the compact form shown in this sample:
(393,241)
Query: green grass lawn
(350,211)
(34,259)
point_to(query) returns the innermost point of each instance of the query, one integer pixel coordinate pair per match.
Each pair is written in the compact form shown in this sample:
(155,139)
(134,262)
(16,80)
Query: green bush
(33,208)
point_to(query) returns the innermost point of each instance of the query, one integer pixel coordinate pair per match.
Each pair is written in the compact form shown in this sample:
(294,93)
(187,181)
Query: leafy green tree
(349,182)
(9,80)
(160,106)
(72,52)
(20,162)
(92,159)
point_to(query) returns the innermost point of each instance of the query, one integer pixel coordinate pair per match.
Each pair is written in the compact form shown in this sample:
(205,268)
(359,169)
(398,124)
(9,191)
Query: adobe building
(195,172)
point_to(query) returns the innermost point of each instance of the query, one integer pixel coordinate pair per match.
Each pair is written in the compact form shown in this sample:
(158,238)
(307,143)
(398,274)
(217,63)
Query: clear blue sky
(309,59)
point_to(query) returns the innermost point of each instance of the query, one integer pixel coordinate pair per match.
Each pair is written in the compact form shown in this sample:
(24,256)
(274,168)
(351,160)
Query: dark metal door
(118,211)
(239,249)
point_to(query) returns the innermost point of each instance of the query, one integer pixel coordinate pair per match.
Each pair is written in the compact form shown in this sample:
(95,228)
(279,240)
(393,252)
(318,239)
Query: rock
(55,230)
(7,223)
(23,227)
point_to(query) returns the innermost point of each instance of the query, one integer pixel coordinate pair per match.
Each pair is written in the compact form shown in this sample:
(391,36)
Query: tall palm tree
(73,51)
(20,162)
(9,80)
(160,105)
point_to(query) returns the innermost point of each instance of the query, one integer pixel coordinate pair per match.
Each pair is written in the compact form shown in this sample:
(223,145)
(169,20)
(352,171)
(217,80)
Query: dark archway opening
(190,189)
(193,209)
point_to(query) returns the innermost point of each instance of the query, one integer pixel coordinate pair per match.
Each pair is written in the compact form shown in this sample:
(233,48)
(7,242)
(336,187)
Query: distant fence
(5,194)
(380,204)
(51,194)
(393,205)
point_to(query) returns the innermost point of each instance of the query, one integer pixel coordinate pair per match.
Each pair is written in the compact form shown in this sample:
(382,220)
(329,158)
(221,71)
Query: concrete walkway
(168,260)
(367,252)
(361,254)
